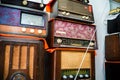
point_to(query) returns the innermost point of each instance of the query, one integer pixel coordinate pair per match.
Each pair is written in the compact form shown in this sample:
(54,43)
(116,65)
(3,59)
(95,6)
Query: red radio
(67,33)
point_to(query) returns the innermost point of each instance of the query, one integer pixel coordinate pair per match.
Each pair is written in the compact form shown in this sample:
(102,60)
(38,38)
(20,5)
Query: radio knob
(67,13)
(86,75)
(71,76)
(83,17)
(86,17)
(39,31)
(64,13)
(25,2)
(41,5)
(59,41)
(81,76)
(92,44)
(64,77)
(32,30)
(23,29)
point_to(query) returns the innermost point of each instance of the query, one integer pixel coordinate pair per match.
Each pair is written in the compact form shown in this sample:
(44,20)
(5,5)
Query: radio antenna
(84,55)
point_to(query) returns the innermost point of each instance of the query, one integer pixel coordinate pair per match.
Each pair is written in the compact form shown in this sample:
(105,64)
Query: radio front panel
(23,21)
(71,9)
(21,60)
(65,65)
(63,33)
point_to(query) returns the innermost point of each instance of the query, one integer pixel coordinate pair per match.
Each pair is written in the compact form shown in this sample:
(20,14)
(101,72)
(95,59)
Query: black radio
(23,21)
(73,9)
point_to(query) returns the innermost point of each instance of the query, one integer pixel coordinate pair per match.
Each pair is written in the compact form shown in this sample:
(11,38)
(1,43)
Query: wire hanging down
(84,55)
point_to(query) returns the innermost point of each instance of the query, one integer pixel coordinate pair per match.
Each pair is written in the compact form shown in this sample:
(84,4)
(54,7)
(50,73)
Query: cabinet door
(21,60)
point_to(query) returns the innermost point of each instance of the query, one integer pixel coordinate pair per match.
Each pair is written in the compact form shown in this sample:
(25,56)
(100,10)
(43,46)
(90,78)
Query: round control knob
(59,41)
(64,77)
(25,2)
(32,30)
(92,44)
(67,13)
(39,31)
(86,75)
(71,76)
(41,5)
(83,17)
(86,17)
(23,29)
(81,76)
(64,13)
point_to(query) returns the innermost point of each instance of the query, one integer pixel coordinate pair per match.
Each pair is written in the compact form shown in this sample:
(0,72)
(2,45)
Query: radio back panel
(73,10)
(63,33)
(23,21)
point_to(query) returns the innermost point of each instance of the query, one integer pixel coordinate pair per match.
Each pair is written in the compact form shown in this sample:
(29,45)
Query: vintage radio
(72,9)
(23,21)
(111,68)
(21,59)
(112,47)
(67,33)
(113,25)
(66,62)
(35,4)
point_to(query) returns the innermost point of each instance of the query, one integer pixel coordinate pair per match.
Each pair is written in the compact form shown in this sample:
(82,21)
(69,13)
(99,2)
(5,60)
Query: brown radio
(112,47)
(26,3)
(65,63)
(72,9)
(67,33)
(21,59)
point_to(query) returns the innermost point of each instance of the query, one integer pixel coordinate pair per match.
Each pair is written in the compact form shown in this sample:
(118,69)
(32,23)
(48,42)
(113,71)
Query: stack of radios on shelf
(70,29)
(22,32)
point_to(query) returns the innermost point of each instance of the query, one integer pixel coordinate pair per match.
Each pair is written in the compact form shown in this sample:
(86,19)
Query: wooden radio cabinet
(65,64)
(21,59)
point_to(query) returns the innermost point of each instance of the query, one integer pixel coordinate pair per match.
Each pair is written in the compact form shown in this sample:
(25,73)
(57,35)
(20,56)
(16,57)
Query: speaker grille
(19,58)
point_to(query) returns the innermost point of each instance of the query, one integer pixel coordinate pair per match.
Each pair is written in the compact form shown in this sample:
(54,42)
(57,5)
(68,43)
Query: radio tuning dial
(23,29)
(39,31)
(59,41)
(32,30)
(25,2)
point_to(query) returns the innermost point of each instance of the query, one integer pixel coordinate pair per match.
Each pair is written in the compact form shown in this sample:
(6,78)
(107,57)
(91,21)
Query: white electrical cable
(84,55)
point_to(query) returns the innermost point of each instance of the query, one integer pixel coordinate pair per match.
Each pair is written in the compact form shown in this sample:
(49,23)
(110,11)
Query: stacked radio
(70,32)
(22,33)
